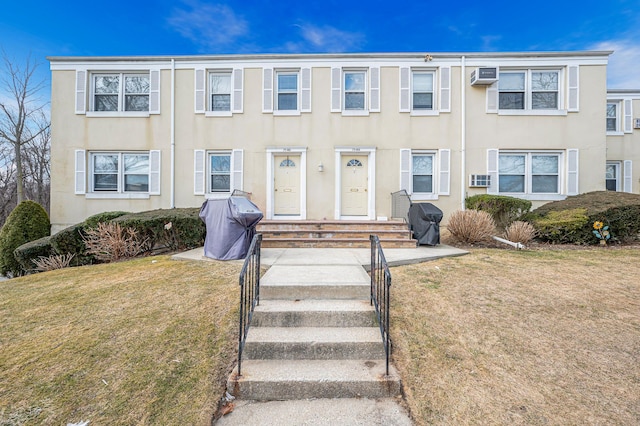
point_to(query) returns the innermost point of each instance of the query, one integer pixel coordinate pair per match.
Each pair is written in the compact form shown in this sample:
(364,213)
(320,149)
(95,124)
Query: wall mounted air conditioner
(483,76)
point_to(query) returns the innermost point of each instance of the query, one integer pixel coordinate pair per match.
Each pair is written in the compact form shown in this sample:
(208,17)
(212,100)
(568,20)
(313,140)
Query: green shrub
(93,221)
(33,250)
(504,210)
(171,229)
(619,210)
(27,222)
(70,241)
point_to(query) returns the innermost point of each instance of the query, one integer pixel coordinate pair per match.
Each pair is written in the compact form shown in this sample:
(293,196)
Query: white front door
(355,180)
(286,185)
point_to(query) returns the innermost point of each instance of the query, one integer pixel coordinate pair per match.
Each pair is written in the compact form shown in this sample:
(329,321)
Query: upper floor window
(355,84)
(220,91)
(613,117)
(287,91)
(120,92)
(529,90)
(119,172)
(422,90)
(529,173)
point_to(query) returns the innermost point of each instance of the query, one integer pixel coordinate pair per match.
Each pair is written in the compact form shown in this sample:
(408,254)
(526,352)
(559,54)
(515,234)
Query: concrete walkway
(293,264)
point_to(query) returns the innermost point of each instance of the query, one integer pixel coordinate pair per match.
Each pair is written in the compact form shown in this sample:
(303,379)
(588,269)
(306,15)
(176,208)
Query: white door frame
(271,153)
(371,181)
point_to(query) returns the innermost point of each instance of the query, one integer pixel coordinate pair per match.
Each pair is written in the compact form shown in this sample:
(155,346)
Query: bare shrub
(108,242)
(520,232)
(471,226)
(55,261)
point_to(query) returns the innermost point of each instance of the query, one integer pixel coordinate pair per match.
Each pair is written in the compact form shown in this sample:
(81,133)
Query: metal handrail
(249,292)
(380,292)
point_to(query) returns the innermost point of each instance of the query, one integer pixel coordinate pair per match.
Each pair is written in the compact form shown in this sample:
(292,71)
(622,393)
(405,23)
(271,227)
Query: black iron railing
(249,292)
(380,292)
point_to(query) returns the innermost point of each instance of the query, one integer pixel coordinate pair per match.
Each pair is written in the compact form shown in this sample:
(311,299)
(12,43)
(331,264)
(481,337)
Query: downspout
(173,134)
(463,135)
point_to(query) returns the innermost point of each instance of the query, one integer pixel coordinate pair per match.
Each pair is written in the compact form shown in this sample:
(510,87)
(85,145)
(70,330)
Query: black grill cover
(424,221)
(231,225)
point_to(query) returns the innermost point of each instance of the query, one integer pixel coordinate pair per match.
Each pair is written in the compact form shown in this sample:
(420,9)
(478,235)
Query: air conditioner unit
(480,181)
(484,76)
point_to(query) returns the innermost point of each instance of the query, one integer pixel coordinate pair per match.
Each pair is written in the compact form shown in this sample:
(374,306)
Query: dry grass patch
(520,337)
(149,341)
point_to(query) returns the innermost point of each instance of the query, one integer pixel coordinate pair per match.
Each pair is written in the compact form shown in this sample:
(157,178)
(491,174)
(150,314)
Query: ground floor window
(613,176)
(119,172)
(422,172)
(529,172)
(219,172)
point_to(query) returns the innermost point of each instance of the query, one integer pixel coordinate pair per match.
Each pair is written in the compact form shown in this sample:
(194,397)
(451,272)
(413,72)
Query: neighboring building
(623,141)
(328,136)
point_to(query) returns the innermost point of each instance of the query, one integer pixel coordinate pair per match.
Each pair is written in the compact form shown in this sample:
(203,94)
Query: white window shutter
(492,98)
(237,95)
(627,183)
(572,171)
(336,89)
(236,169)
(81,172)
(81,92)
(405,89)
(305,86)
(492,170)
(574,92)
(445,89)
(200,93)
(445,172)
(267,90)
(154,92)
(199,171)
(405,170)
(628,114)
(374,89)
(154,172)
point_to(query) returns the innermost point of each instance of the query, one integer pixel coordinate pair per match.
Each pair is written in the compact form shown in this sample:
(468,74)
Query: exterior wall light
(320,167)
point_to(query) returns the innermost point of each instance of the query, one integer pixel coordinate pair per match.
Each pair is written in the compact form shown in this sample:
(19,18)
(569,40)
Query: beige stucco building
(331,136)
(623,141)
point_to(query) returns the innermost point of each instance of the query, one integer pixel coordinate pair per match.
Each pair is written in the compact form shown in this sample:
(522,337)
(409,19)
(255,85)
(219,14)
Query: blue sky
(185,27)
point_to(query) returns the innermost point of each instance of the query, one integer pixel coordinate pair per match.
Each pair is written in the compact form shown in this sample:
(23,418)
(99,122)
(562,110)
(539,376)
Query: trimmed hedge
(571,220)
(33,250)
(504,210)
(187,230)
(27,222)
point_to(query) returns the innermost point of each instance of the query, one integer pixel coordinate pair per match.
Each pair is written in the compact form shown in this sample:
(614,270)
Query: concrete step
(275,242)
(314,313)
(266,225)
(297,282)
(295,343)
(299,379)
(363,234)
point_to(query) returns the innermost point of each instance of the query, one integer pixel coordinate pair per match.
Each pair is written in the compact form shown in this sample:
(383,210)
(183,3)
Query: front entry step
(298,379)
(313,313)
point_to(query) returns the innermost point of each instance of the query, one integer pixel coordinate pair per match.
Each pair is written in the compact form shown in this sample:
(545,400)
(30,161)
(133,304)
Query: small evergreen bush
(27,222)
(504,210)
(471,226)
(70,241)
(93,221)
(27,253)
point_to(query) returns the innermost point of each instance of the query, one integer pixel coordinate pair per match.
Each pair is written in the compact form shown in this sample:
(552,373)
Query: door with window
(355,179)
(286,185)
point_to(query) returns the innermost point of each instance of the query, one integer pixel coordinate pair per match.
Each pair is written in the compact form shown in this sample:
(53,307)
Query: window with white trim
(120,92)
(612,176)
(529,90)
(422,90)
(422,166)
(119,172)
(613,116)
(219,172)
(355,89)
(529,172)
(287,91)
(425,174)
(220,91)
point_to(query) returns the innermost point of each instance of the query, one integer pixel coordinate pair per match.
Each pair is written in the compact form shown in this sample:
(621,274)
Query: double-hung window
(422,92)
(422,173)
(613,176)
(219,172)
(613,117)
(355,88)
(287,91)
(529,173)
(220,91)
(529,90)
(119,172)
(116,92)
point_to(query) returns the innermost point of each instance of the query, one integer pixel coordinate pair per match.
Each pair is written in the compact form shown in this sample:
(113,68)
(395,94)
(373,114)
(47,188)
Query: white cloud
(210,26)
(325,39)
(623,71)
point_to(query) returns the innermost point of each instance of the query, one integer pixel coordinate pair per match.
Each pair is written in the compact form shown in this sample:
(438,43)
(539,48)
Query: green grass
(149,341)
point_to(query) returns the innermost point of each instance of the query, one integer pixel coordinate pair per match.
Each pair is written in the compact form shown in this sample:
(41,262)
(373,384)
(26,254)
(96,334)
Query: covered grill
(424,222)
